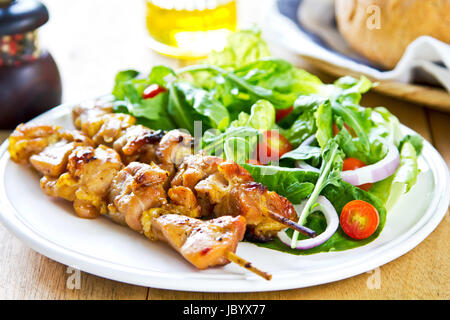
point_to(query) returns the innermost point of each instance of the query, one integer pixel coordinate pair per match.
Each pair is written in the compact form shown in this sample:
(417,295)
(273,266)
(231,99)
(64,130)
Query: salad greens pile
(237,93)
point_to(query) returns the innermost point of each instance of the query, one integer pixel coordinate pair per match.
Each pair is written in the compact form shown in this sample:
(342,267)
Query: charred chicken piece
(76,171)
(184,201)
(89,175)
(29,139)
(195,168)
(138,143)
(172,149)
(100,123)
(134,189)
(52,161)
(202,243)
(232,191)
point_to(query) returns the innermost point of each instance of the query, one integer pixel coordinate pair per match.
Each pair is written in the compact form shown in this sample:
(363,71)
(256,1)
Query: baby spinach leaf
(303,153)
(188,103)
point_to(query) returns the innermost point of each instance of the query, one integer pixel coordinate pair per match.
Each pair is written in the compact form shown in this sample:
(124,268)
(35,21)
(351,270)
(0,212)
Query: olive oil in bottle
(189,29)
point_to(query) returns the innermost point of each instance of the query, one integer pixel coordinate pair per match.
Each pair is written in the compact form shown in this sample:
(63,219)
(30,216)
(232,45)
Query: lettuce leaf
(392,188)
(324,122)
(243,47)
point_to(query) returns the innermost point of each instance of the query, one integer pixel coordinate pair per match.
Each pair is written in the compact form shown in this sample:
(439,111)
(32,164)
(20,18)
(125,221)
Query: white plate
(108,250)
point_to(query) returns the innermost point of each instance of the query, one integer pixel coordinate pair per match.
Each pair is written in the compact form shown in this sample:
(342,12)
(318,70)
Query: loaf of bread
(381,30)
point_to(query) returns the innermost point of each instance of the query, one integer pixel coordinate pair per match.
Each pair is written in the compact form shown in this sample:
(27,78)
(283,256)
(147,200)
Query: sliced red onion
(303,165)
(308,140)
(374,172)
(332,224)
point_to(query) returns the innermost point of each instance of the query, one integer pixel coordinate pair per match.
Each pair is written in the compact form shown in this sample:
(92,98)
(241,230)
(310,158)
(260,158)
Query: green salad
(343,166)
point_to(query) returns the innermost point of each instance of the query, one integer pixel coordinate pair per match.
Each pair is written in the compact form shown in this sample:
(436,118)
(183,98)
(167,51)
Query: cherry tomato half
(273,146)
(152,91)
(352,164)
(281,113)
(359,219)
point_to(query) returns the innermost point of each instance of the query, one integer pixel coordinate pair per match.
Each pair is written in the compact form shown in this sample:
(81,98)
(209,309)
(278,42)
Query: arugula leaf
(241,88)
(329,174)
(356,119)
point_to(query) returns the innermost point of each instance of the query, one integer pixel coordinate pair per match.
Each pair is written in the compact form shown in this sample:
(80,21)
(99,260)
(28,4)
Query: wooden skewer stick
(291,224)
(247,265)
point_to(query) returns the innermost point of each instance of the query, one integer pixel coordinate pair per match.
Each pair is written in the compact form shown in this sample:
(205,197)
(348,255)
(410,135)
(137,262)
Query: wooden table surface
(91,40)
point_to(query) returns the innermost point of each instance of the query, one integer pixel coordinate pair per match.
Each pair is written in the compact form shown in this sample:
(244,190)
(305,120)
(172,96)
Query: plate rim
(393,249)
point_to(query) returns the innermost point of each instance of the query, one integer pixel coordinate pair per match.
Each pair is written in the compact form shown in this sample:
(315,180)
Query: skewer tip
(248,265)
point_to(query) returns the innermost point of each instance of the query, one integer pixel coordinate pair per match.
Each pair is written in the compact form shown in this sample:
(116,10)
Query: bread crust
(381,30)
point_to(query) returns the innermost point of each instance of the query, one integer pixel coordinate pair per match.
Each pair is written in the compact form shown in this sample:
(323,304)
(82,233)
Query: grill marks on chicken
(134,189)
(97,183)
(160,191)
(30,139)
(172,149)
(87,180)
(100,123)
(219,188)
(202,243)
(52,161)
(138,143)
(232,191)
(195,168)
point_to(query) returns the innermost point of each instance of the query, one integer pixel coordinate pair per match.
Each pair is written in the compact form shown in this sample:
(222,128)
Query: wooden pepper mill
(29,78)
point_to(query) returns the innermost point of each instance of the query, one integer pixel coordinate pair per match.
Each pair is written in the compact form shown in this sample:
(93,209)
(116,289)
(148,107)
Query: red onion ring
(308,140)
(374,172)
(332,225)
(368,174)
(304,166)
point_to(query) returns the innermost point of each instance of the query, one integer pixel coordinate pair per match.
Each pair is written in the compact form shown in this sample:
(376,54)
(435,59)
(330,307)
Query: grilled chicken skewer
(221,188)
(97,183)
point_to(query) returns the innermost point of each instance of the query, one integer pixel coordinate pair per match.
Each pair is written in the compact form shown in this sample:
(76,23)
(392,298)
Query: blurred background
(102,37)
(90,40)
